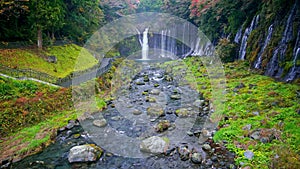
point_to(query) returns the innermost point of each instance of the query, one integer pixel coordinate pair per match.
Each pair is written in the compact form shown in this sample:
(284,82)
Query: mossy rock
(182,112)
(163,125)
(155,111)
(150,99)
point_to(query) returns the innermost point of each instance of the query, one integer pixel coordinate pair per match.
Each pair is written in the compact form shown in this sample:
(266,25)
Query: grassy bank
(31,113)
(256,104)
(67,57)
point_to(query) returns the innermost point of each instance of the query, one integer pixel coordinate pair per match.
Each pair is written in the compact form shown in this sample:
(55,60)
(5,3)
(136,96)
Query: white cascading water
(259,60)
(293,72)
(145,46)
(242,52)
(238,36)
(163,42)
(273,67)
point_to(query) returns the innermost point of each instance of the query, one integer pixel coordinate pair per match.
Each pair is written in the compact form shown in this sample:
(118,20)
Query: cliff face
(274,46)
(265,33)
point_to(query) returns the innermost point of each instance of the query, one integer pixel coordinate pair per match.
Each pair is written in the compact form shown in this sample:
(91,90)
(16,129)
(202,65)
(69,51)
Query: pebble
(189,133)
(249,154)
(100,123)
(247,127)
(196,158)
(184,153)
(116,118)
(206,147)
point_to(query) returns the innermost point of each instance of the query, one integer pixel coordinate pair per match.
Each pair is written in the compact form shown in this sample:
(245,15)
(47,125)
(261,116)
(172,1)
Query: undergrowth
(265,104)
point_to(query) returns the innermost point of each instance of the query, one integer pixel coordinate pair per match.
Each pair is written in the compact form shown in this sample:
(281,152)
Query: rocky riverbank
(154,122)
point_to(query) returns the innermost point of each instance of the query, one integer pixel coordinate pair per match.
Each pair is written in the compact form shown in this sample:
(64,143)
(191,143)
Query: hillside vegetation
(67,57)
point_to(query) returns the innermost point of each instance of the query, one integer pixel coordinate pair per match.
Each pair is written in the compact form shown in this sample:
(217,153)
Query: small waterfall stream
(238,36)
(257,64)
(295,71)
(242,51)
(273,67)
(145,46)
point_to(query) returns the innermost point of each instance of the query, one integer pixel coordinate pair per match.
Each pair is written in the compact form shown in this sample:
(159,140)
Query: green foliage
(83,18)
(24,103)
(277,105)
(71,19)
(70,58)
(226,17)
(150,6)
(226,50)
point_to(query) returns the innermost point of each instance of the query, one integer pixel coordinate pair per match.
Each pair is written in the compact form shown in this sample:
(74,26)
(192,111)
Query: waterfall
(145,46)
(163,43)
(242,51)
(238,36)
(295,70)
(257,64)
(273,67)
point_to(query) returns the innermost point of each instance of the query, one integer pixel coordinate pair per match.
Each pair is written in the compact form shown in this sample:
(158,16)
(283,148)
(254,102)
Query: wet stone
(249,154)
(196,158)
(189,133)
(184,153)
(175,97)
(136,112)
(100,123)
(206,147)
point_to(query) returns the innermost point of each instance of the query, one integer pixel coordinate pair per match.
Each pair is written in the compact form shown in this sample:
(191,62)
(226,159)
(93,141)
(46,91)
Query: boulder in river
(84,153)
(154,145)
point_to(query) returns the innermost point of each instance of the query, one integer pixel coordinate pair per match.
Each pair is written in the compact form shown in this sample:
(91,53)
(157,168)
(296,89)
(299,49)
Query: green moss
(276,103)
(70,58)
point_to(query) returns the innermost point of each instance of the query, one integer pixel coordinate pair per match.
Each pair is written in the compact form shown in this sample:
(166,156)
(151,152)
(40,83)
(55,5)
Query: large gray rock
(84,153)
(154,145)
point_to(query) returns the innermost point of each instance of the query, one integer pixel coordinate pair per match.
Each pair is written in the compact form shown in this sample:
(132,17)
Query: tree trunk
(40,38)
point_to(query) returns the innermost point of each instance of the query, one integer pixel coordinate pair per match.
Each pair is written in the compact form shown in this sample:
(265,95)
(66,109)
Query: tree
(12,18)
(150,6)
(82,19)
(46,15)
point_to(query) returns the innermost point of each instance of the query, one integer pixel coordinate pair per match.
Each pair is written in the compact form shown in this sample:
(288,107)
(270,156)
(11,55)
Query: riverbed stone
(162,125)
(136,112)
(196,158)
(154,145)
(84,153)
(140,83)
(100,123)
(155,91)
(155,111)
(150,99)
(249,154)
(182,112)
(206,147)
(175,97)
(184,153)
(116,118)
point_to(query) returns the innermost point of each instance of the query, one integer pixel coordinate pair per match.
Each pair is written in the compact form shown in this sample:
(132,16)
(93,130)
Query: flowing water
(242,51)
(257,64)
